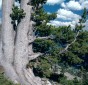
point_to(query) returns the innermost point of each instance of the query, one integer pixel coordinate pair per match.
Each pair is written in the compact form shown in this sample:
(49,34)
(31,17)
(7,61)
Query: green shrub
(4,81)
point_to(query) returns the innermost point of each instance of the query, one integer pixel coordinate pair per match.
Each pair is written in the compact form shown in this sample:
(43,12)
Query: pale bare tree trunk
(15,56)
(7,40)
(22,47)
(7,30)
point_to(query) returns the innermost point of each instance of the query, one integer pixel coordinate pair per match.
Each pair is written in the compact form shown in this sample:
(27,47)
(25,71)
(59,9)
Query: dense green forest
(62,48)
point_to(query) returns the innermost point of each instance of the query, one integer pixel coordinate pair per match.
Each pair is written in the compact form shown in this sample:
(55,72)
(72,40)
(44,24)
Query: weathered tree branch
(68,45)
(34,56)
(46,38)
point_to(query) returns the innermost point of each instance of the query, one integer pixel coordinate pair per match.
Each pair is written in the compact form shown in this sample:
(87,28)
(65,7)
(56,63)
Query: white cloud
(53,2)
(85,4)
(63,5)
(60,23)
(73,5)
(81,1)
(67,15)
(68,18)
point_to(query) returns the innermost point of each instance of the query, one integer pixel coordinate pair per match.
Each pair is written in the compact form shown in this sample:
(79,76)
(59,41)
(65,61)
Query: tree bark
(15,56)
(7,41)
(7,30)
(22,48)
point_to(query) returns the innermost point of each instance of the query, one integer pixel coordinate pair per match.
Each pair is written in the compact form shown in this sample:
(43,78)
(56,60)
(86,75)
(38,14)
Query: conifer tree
(26,38)
(18,34)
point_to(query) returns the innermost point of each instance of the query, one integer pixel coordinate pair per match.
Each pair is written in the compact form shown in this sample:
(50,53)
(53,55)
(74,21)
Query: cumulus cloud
(68,18)
(81,1)
(63,5)
(60,23)
(67,15)
(85,4)
(53,2)
(75,5)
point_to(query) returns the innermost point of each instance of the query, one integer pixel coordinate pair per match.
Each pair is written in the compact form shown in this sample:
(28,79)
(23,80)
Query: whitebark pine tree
(16,51)
(16,46)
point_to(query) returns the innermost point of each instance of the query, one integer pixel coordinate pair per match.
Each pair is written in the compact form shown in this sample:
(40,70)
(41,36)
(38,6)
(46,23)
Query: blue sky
(68,11)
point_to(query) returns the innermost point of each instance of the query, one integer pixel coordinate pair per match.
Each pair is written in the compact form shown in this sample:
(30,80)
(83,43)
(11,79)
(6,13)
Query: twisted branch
(68,45)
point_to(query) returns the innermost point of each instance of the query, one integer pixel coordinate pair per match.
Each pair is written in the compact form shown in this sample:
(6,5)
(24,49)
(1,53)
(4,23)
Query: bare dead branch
(68,45)
(34,56)
(46,38)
